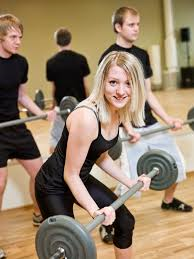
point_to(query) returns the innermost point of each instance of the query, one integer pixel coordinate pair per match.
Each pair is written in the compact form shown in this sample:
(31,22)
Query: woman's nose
(120,90)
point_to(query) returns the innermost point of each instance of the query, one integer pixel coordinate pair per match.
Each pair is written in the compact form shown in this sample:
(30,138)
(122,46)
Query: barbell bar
(63,237)
(67,104)
(115,151)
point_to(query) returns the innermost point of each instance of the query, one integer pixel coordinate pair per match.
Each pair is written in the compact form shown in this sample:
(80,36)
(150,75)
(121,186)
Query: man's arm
(27,102)
(53,89)
(157,107)
(134,136)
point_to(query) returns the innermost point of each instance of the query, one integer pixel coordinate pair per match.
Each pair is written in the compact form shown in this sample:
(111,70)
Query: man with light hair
(126,22)
(16,141)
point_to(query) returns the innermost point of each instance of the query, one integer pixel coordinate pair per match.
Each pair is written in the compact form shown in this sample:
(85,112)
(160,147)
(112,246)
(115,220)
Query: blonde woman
(90,131)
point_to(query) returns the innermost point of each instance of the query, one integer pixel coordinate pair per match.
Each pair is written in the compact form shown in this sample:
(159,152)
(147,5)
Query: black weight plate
(115,151)
(168,171)
(29,113)
(67,233)
(190,116)
(39,99)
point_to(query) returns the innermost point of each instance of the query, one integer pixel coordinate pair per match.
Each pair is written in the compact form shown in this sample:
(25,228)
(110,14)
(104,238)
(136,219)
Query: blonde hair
(134,110)
(7,22)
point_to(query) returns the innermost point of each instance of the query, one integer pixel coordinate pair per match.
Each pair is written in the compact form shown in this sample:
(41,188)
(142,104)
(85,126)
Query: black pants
(62,204)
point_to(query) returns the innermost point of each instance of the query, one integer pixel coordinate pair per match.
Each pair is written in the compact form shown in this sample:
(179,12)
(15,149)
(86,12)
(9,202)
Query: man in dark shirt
(67,70)
(16,141)
(126,22)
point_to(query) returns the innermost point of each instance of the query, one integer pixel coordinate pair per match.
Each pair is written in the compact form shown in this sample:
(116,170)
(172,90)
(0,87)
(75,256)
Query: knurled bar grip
(121,200)
(157,130)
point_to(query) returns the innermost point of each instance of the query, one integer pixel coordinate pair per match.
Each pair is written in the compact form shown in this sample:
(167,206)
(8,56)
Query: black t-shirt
(143,57)
(67,70)
(13,72)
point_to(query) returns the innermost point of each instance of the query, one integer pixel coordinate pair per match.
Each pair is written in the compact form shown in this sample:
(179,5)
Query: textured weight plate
(166,164)
(67,233)
(67,104)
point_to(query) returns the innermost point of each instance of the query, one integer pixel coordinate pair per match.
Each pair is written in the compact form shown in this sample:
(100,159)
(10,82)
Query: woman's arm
(83,129)
(106,163)
(111,168)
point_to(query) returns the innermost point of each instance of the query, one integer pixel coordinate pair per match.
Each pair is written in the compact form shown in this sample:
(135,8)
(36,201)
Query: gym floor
(158,234)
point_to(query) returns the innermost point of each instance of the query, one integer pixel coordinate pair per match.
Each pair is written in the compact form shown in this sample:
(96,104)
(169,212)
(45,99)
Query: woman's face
(117,88)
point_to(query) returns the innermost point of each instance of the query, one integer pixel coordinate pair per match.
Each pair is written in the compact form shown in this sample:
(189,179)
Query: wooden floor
(158,234)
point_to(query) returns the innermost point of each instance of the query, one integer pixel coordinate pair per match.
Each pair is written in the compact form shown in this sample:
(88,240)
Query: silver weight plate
(67,104)
(168,171)
(66,233)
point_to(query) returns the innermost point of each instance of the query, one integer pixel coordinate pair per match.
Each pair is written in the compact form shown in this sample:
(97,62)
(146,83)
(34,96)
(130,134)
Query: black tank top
(50,177)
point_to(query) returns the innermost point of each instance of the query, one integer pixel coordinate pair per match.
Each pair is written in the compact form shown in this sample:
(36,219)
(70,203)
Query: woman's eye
(128,84)
(112,82)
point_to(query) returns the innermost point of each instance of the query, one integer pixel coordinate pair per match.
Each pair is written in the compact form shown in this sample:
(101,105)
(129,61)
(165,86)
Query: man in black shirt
(67,71)
(16,141)
(126,22)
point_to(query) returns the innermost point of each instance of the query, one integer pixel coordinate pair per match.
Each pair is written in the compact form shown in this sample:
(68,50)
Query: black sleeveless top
(50,177)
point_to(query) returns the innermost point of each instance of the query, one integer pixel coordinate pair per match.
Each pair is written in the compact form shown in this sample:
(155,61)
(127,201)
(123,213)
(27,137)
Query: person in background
(67,71)
(126,24)
(16,141)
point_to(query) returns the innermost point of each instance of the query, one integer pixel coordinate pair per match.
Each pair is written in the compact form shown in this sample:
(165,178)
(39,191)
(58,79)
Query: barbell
(62,237)
(67,104)
(115,151)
